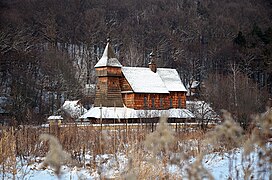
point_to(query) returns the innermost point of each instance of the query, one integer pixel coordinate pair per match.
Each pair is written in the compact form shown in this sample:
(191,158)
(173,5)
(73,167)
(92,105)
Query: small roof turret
(152,64)
(108,58)
(151,56)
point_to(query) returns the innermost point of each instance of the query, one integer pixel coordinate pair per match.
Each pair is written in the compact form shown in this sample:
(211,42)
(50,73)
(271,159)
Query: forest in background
(48,49)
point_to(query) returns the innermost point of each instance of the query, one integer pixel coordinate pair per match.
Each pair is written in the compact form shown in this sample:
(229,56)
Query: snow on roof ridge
(73,108)
(126,113)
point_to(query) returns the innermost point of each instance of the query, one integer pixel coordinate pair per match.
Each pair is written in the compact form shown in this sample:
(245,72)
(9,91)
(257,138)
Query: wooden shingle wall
(124,84)
(108,91)
(154,101)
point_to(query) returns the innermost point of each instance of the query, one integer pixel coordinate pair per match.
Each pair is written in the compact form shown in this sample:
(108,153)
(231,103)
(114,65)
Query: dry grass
(148,152)
(8,152)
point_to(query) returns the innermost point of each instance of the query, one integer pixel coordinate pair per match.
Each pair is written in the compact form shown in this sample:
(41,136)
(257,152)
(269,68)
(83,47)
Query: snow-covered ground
(220,166)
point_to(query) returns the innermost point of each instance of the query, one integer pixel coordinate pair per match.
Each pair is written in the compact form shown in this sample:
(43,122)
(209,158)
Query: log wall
(154,101)
(108,71)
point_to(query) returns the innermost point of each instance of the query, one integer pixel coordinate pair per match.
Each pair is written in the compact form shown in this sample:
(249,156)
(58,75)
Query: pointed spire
(151,56)
(152,64)
(108,58)
(108,40)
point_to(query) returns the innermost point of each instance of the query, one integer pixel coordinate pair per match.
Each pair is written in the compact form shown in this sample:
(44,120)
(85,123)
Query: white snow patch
(73,108)
(55,118)
(202,110)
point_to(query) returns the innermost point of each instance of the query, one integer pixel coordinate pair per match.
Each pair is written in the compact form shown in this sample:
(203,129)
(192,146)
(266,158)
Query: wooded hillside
(48,48)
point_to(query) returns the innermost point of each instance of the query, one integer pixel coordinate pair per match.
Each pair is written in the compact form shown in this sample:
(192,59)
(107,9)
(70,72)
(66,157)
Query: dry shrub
(228,136)
(260,141)
(150,162)
(260,134)
(56,156)
(160,139)
(196,170)
(225,136)
(140,168)
(160,150)
(190,142)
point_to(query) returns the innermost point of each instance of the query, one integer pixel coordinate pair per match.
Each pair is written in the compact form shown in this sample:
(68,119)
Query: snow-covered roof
(55,118)
(73,108)
(108,58)
(129,113)
(143,80)
(171,79)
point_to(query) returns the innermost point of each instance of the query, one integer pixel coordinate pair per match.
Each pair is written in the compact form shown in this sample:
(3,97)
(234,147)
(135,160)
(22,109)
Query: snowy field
(225,152)
(220,166)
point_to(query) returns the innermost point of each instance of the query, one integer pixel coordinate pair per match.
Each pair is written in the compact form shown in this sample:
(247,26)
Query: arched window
(171,102)
(179,102)
(145,102)
(161,102)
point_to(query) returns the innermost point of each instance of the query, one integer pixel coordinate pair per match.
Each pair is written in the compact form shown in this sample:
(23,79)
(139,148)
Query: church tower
(108,72)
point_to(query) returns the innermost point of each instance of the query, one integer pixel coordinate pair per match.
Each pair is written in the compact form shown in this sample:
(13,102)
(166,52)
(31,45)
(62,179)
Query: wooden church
(134,91)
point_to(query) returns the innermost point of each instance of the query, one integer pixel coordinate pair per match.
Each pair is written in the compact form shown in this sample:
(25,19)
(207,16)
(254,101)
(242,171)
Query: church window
(145,102)
(161,102)
(153,103)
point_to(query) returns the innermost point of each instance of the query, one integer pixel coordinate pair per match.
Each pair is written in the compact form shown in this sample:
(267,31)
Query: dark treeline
(48,48)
